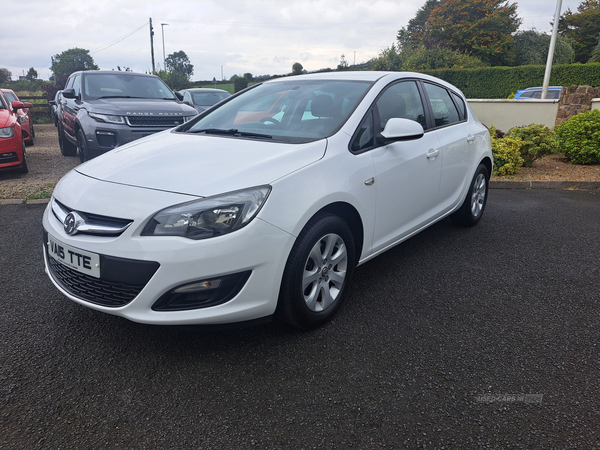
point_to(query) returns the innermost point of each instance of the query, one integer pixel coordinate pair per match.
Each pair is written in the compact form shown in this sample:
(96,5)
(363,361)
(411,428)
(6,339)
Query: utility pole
(551,51)
(152,46)
(162,28)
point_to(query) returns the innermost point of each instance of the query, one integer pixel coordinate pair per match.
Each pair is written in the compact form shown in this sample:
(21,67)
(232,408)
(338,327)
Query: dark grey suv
(101,110)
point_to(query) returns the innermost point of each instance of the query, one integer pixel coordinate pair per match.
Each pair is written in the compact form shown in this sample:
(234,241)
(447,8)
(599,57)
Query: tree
(239,84)
(174,80)
(297,69)
(423,58)
(31,74)
(248,76)
(417,32)
(583,27)
(5,75)
(72,60)
(481,28)
(180,63)
(531,47)
(343,65)
(596,53)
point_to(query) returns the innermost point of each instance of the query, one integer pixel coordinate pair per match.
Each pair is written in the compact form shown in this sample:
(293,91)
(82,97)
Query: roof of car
(112,72)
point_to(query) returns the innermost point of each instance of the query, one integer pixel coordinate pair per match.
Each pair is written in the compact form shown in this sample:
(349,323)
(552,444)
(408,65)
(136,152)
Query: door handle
(470,138)
(432,153)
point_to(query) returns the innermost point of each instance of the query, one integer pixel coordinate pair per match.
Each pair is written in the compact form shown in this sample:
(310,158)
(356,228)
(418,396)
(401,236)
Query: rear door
(456,142)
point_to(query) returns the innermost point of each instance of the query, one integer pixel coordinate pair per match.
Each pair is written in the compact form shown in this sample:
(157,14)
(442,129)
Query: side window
(461,105)
(444,111)
(77,84)
(401,100)
(187,97)
(364,137)
(69,84)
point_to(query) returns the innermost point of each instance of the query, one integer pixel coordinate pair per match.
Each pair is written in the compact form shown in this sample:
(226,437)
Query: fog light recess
(202,293)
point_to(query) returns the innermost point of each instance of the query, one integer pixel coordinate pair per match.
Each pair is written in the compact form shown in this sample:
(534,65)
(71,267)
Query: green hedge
(501,82)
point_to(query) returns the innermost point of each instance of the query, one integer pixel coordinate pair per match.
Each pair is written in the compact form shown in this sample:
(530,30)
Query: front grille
(121,279)
(154,121)
(95,290)
(8,157)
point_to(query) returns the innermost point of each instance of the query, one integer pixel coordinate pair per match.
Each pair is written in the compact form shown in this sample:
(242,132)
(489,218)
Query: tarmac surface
(458,338)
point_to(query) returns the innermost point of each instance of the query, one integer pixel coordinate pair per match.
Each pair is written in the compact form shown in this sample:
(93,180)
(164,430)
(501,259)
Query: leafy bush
(506,152)
(579,137)
(538,140)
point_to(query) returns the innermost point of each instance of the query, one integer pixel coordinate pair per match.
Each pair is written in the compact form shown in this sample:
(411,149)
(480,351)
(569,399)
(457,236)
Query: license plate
(76,259)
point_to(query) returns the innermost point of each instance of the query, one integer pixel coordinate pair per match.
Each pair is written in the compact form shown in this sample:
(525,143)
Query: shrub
(538,140)
(506,152)
(579,137)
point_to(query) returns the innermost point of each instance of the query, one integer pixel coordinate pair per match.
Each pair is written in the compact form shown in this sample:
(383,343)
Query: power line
(109,44)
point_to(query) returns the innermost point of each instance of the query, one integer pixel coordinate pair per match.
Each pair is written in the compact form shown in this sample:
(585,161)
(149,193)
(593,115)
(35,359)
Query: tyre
(66,147)
(317,273)
(82,148)
(470,212)
(32,131)
(22,168)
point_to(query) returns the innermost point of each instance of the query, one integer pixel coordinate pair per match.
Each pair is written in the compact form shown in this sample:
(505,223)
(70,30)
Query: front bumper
(259,248)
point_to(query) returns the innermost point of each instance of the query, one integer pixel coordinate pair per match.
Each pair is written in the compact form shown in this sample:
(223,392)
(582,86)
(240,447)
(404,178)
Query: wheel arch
(487,162)
(351,216)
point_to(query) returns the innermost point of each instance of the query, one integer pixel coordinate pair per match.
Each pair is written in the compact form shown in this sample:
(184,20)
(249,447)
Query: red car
(25,114)
(12,146)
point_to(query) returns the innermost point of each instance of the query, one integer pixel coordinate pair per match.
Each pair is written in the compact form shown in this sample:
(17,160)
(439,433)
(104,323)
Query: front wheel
(317,273)
(84,153)
(23,168)
(473,207)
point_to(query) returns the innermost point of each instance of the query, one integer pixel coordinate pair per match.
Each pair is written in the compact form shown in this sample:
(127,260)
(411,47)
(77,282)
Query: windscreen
(209,98)
(125,85)
(290,111)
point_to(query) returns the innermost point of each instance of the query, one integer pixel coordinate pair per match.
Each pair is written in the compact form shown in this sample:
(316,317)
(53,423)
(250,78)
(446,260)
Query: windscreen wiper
(232,132)
(117,96)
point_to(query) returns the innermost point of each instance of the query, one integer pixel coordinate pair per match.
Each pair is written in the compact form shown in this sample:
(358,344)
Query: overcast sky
(225,37)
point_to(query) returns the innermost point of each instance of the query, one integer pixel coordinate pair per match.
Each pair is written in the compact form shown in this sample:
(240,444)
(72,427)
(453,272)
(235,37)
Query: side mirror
(188,103)
(397,129)
(179,95)
(69,93)
(20,105)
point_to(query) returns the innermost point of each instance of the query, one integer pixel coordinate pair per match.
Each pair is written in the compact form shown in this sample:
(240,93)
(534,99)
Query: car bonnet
(200,165)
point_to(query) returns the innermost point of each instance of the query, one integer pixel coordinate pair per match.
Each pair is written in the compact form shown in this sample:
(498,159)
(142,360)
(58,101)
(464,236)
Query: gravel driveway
(46,167)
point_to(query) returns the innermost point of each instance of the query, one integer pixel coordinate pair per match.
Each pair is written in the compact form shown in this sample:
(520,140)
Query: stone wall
(575,99)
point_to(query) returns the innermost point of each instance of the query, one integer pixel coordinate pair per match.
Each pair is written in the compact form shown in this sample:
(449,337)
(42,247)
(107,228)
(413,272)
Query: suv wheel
(84,153)
(66,148)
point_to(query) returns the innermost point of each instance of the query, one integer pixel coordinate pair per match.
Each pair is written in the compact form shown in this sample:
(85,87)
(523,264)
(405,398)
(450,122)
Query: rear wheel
(66,147)
(317,273)
(473,207)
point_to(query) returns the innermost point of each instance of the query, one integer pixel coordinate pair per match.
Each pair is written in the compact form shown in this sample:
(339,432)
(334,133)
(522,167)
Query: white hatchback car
(265,205)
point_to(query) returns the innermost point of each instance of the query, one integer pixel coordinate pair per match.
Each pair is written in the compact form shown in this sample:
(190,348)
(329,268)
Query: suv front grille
(155,121)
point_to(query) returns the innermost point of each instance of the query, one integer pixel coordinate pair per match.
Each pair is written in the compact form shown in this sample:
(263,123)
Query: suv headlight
(209,217)
(7,132)
(107,118)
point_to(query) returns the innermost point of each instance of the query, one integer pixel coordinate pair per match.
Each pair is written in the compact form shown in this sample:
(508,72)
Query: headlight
(209,217)
(187,118)
(22,119)
(107,118)
(7,132)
